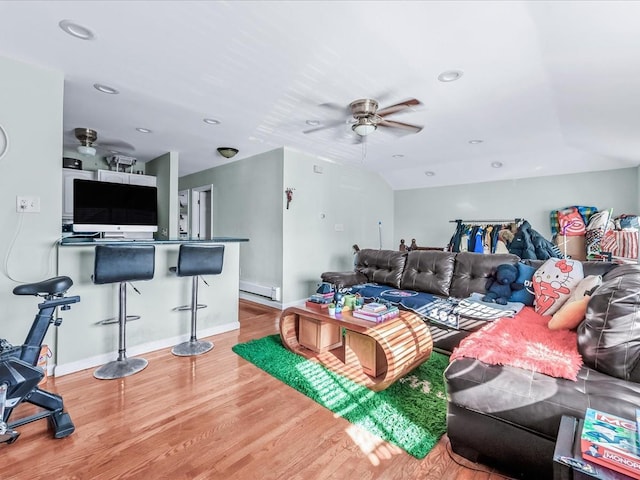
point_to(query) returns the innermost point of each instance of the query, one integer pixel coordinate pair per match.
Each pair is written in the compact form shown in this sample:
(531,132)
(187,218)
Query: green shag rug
(410,414)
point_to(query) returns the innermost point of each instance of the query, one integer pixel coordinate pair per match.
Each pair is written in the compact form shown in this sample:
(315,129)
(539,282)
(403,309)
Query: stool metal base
(184,308)
(111,321)
(192,347)
(120,368)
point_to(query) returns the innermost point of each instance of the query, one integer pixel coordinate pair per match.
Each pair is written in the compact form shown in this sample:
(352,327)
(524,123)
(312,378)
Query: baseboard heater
(272,293)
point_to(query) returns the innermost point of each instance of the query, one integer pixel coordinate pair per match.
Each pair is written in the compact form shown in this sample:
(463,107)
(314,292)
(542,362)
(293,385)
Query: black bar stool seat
(194,261)
(122,264)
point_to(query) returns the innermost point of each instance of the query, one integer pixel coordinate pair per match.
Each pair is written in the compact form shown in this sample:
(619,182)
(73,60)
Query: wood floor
(215,416)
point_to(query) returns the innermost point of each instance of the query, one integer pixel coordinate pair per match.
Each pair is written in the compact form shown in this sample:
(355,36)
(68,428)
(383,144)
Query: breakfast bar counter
(82,341)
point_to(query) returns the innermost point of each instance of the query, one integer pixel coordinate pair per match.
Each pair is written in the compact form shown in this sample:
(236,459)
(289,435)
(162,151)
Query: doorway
(202,213)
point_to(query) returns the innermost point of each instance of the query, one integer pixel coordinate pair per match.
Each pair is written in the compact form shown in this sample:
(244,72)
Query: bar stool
(193,261)
(122,264)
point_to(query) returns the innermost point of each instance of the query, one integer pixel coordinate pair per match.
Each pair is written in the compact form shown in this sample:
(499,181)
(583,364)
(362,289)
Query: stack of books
(376,312)
(612,442)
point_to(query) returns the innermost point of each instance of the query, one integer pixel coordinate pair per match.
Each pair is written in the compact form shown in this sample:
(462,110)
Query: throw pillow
(570,315)
(553,282)
(525,276)
(586,286)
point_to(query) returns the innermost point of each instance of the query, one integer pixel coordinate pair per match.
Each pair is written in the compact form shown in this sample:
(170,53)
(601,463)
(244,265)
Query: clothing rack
(510,220)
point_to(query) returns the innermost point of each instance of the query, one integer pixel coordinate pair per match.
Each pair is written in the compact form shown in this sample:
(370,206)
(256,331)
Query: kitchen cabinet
(123,177)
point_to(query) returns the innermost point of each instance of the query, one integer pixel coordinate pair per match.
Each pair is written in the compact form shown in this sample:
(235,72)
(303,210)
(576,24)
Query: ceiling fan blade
(337,107)
(404,126)
(326,126)
(412,102)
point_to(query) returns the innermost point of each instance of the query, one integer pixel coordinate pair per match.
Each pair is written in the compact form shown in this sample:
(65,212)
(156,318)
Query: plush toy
(501,285)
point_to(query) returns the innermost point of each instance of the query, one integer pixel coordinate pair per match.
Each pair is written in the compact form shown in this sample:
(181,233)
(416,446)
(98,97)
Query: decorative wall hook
(289,193)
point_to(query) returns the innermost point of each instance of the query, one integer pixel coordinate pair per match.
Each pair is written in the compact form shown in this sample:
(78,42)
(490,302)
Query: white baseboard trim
(67,368)
(269,303)
(260,300)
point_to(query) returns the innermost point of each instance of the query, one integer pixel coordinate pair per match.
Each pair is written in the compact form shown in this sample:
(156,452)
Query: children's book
(611,441)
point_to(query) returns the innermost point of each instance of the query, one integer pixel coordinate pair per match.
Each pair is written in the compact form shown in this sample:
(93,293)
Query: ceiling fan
(89,144)
(368,118)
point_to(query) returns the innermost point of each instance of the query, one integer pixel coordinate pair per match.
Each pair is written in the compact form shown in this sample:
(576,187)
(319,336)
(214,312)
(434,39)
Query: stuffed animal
(502,284)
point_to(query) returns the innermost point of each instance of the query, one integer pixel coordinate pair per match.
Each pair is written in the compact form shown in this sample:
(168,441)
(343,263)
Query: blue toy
(502,284)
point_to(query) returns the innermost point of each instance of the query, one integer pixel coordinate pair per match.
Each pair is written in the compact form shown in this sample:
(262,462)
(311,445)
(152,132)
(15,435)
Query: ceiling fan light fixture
(86,150)
(364,127)
(227,152)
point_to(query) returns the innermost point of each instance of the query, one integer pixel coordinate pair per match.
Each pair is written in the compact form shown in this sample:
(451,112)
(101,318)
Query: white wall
(424,214)
(31,100)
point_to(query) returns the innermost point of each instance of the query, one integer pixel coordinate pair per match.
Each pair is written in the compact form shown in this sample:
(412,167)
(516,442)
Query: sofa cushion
(343,279)
(472,270)
(570,314)
(609,337)
(381,266)
(428,271)
(534,401)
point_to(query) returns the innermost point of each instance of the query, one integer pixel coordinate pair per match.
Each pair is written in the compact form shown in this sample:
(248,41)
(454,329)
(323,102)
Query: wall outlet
(27,204)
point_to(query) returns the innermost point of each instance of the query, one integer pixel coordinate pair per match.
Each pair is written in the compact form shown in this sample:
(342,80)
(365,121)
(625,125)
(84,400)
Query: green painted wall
(424,213)
(247,203)
(165,169)
(329,213)
(31,101)
(291,248)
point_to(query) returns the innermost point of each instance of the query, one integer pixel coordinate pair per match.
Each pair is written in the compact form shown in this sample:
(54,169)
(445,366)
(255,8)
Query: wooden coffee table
(372,354)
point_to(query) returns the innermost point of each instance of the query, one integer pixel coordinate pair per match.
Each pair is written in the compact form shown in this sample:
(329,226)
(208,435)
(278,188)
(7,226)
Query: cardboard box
(574,246)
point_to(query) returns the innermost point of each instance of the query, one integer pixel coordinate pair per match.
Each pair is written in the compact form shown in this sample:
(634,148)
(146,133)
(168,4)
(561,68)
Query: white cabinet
(68,176)
(123,177)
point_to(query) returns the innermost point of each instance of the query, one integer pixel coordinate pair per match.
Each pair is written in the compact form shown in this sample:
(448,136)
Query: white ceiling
(550,87)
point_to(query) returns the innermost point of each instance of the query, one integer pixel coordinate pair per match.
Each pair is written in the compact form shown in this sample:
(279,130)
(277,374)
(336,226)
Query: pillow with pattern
(553,283)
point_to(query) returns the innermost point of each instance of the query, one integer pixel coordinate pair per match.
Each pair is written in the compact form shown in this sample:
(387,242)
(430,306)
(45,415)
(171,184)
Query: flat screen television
(114,209)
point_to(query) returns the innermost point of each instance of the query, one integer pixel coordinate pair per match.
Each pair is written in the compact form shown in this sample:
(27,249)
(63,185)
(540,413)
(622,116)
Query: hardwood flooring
(214,416)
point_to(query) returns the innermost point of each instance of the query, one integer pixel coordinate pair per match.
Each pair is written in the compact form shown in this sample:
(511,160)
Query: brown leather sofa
(506,415)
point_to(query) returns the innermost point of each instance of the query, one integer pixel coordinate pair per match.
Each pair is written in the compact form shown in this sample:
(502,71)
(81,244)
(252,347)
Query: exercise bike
(19,373)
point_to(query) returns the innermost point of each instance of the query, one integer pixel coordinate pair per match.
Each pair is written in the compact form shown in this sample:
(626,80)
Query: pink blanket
(524,341)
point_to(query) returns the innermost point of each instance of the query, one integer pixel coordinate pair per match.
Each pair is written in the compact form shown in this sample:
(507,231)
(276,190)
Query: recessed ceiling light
(450,75)
(211,121)
(398,155)
(143,130)
(313,123)
(475,142)
(496,164)
(429,173)
(105,89)
(75,30)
